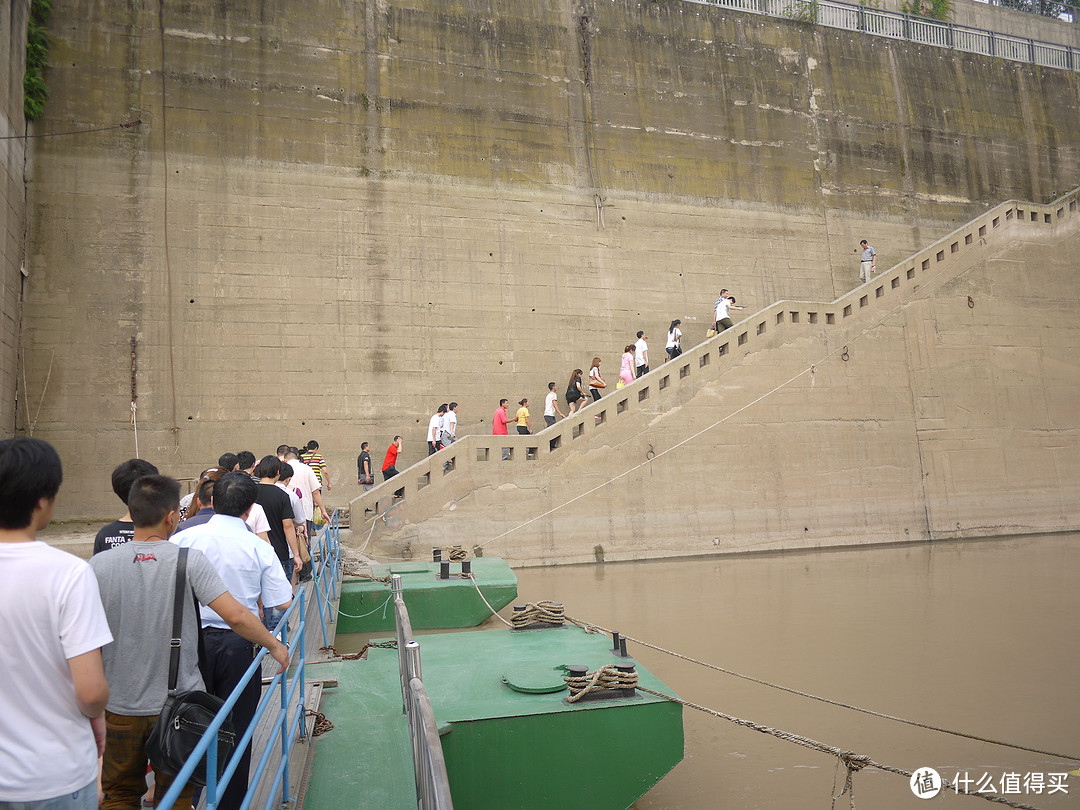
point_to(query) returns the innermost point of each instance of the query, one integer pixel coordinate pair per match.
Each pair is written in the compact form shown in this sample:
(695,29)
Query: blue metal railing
(910,28)
(326,572)
(288,726)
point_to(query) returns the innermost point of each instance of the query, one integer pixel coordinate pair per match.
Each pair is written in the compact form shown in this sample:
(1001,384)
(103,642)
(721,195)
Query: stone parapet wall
(339,216)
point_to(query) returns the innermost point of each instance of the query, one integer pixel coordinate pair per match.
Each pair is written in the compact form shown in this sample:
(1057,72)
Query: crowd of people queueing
(634,362)
(88,654)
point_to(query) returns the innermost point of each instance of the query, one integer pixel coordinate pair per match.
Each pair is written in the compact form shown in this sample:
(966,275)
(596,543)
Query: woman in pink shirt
(626,373)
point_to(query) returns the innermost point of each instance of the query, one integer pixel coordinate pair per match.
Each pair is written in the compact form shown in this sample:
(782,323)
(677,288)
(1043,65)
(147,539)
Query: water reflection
(983,637)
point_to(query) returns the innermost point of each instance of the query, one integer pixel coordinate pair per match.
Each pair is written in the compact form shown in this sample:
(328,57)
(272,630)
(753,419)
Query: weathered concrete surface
(13,16)
(340,215)
(944,403)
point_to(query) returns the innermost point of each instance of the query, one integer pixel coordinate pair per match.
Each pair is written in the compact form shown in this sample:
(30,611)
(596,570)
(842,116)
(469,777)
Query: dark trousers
(123,769)
(642,370)
(228,655)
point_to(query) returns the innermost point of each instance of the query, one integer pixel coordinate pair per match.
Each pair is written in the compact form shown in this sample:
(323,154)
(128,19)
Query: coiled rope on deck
(544,611)
(451,553)
(606,677)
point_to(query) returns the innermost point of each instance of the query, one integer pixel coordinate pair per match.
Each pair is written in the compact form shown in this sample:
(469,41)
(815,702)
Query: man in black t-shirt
(275,502)
(121,531)
(364,475)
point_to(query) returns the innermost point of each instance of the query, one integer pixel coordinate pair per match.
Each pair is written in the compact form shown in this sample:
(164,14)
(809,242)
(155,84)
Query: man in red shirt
(389,465)
(498,426)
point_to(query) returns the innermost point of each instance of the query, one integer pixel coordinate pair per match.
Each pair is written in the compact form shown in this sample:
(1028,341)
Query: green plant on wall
(801,11)
(935,9)
(35,93)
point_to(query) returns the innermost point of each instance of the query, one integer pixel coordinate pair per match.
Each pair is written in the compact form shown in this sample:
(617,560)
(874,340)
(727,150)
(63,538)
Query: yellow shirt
(522,416)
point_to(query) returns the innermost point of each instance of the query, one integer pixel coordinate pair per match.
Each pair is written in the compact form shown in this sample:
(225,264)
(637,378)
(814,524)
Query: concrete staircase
(851,381)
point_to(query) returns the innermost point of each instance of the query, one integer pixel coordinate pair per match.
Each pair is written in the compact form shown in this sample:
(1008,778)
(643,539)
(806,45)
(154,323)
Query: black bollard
(466,568)
(622,647)
(436,555)
(444,569)
(615,640)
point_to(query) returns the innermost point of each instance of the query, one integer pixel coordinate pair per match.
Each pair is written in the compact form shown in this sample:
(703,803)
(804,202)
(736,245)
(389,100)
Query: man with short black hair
(138,582)
(364,476)
(245,460)
(307,487)
(251,571)
(228,462)
(641,353)
(278,513)
(120,531)
(55,691)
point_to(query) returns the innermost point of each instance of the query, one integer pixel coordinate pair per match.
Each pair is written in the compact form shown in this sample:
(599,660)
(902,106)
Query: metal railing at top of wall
(429,765)
(288,726)
(910,28)
(765,327)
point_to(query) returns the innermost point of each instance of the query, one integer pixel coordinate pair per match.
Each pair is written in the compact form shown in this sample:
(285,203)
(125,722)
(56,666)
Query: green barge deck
(434,604)
(503,748)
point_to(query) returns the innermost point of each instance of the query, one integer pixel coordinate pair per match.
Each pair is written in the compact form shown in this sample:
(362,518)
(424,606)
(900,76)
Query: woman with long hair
(596,382)
(674,340)
(574,394)
(626,372)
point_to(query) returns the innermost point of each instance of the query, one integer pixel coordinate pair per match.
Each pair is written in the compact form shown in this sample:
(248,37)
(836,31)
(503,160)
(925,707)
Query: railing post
(285,711)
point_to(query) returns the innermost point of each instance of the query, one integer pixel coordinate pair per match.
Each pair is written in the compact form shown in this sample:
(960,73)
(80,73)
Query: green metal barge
(503,748)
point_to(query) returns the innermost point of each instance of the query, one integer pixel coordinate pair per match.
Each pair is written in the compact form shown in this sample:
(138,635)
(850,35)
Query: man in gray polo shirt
(137,582)
(868,264)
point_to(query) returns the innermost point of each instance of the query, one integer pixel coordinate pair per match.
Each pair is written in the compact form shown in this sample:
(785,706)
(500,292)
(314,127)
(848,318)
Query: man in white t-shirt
(449,426)
(307,487)
(52,725)
(641,353)
(434,431)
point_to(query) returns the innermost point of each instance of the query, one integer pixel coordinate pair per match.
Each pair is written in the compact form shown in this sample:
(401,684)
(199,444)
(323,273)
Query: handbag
(710,333)
(186,715)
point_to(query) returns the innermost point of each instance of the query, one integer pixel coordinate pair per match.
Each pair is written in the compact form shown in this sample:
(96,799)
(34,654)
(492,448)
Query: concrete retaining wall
(334,217)
(13,17)
(877,417)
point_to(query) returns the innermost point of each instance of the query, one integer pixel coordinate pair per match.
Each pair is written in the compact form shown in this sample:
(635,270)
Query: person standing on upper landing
(868,264)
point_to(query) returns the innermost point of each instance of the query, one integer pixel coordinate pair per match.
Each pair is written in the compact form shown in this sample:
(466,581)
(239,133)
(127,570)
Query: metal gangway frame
(289,725)
(429,764)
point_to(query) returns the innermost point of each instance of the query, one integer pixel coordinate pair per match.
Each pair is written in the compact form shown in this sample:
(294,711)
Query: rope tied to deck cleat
(606,677)
(451,553)
(544,611)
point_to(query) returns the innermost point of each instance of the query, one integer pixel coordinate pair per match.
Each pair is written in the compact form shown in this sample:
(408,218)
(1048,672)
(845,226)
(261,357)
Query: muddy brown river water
(978,636)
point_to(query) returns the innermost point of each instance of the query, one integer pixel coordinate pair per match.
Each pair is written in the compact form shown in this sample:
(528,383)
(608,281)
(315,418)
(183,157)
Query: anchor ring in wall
(650,454)
(844,355)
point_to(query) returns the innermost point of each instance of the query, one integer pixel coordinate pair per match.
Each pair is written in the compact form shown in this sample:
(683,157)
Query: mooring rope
(381,607)
(606,677)
(494,612)
(451,553)
(852,761)
(871,712)
(543,611)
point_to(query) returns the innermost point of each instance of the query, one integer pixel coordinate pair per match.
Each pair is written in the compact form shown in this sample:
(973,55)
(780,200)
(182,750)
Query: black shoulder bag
(186,715)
